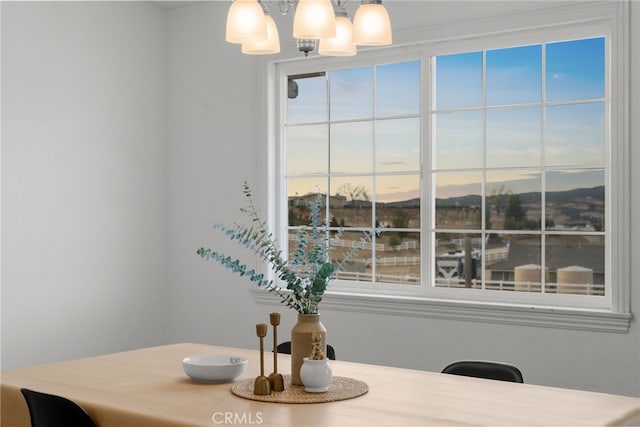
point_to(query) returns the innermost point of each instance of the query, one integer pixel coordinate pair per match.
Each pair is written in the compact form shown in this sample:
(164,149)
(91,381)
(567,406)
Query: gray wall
(84,182)
(146,236)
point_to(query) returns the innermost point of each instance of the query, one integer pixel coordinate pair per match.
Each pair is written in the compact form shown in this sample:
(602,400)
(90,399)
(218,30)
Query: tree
(354,192)
(500,196)
(400,220)
(395,239)
(487,219)
(515,217)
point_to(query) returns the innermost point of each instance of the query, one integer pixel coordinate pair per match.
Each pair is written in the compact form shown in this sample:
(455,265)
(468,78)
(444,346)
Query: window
(354,135)
(519,168)
(485,172)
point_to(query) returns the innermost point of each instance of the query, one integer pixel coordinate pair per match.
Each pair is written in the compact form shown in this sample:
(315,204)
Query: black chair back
(49,410)
(285,348)
(488,370)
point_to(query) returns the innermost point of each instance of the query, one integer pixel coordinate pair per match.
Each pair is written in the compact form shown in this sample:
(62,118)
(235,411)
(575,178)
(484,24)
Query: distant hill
(560,197)
(595,194)
(411,203)
(530,198)
(470,200)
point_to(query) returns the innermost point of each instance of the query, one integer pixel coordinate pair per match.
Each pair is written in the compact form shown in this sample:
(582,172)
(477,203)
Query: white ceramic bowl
(214,369)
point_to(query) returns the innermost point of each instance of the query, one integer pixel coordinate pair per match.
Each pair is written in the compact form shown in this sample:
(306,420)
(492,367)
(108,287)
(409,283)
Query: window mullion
(374,235)
(543,171)
(483,184)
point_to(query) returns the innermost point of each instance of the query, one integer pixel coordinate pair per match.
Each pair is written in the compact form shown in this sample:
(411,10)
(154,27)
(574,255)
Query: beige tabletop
(147,387)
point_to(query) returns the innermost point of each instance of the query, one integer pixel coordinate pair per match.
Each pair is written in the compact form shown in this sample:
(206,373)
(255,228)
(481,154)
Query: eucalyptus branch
(310,269)
(241,269)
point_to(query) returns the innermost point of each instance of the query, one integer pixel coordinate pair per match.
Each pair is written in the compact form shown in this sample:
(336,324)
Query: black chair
(285,348)
(488,370)
(49,410)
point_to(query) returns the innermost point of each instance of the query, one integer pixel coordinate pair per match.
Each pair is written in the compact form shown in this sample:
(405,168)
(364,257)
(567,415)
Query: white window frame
(610,19)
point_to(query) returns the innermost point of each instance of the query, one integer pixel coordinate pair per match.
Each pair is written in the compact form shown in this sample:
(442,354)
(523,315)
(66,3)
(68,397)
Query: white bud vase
(315,375)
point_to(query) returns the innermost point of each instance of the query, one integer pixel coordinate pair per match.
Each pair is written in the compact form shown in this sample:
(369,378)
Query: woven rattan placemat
(341,388)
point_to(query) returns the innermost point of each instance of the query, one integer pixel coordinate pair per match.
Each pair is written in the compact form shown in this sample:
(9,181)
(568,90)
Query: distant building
(451,265)
(335,202)
(558,257)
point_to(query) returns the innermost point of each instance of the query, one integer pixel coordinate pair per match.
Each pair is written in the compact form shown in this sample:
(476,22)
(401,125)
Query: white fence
(496,254)
(405,279)
(505,285)
(393,261)
(380,247)
(345,243)
(500,285)
(459,242)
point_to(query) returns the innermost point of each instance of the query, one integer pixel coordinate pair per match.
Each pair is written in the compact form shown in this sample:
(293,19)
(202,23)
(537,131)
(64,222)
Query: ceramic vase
(315,375)
(307,325)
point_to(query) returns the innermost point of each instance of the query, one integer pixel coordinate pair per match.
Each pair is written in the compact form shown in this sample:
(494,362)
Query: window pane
(310,103)
(514,75)
(398,145)
(302,192)
(457,140)
(458,81)
(398,258)
(458,200)
(513,137)
(359,267)
(307,149)
(575,69)
(575,200)
(513,201)
(398,89)
(513,263)
(452,253)
(351,93)
(351,148)
(575,135)
(398,201)
(356,208)
(575,264)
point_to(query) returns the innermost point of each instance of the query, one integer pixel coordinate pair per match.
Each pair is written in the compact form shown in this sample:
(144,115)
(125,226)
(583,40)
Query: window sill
(541,317)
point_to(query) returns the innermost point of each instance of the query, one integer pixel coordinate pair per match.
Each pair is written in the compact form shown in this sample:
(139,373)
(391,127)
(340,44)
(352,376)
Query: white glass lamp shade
(269,46)
(314,19)
(342,44)
(245,22)
(371,25)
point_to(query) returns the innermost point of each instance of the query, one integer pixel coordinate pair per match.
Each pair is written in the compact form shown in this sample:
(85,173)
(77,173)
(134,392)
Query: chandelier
(250,24)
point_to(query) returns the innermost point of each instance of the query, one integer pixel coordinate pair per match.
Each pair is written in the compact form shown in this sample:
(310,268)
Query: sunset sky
(551,118)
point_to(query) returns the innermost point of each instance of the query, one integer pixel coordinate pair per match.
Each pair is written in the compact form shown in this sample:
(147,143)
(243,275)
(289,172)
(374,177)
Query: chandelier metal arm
(323,22)
(286,6)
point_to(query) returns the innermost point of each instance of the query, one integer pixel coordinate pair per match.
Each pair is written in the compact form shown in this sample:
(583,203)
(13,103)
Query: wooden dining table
(148,387)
